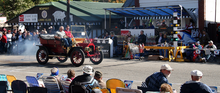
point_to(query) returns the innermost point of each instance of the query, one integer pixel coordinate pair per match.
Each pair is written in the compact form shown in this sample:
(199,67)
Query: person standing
(204,38)
(4,42)
(194,85)
(141,38)
(155,80)
(115,43)
(159,38)
(9,41)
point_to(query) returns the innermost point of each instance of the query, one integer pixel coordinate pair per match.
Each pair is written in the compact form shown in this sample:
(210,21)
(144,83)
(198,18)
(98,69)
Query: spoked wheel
(42,56)
(77,57)
(97,59)
(62,59)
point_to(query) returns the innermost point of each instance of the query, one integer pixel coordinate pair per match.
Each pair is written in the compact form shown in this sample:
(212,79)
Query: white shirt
(60,34)
(159,40)
(9,36)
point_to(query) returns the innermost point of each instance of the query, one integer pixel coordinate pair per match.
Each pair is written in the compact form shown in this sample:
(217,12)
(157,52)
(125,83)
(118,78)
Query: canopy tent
(160,12)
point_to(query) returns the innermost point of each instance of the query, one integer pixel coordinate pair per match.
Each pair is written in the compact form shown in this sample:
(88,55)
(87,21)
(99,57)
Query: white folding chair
(51,84)
(65,84)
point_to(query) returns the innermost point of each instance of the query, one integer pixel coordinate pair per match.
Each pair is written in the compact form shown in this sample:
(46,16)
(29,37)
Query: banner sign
(28,18)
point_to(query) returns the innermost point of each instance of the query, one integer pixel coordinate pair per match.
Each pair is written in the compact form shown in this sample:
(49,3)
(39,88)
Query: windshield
(78,31)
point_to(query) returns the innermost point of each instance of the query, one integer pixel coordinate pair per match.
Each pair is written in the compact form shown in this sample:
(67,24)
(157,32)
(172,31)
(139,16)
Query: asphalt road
(26,65)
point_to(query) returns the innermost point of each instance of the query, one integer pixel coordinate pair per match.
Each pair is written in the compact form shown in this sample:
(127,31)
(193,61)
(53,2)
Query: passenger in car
(61,35)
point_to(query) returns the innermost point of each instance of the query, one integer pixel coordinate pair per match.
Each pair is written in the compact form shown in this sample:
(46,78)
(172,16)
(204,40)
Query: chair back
(214,89)
(39,75)
(37,90)
(3,87)
(65,84)
(113,83)
(4,78)
(105,90)
(18,86)
(32,81)
(51,84)
(10,79)
(126,90)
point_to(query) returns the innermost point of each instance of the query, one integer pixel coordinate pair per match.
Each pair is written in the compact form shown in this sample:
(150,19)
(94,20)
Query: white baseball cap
(166,67)
(88,69)
(196,73)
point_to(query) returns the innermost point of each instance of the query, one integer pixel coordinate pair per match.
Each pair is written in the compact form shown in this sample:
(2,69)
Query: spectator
(159,38)
(1,47)
(29,36)
(9,41)
(141,38)
(122,24)
(166,88)
(195,86)
(204,38)
(14,42)
(129,38)
(155,80)
(210,46)
(197,45)
(151,26)
(62,36)
(142,26)
(106,35)
(165,41)
(134,26)
(70,74)
(55,73)
(86,77)
(115,43)
(98,77)
(4,42)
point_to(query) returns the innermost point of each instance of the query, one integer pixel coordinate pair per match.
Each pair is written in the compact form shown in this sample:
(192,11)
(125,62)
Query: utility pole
(68,12)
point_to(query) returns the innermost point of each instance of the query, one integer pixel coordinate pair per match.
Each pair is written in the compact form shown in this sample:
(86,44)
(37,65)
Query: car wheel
(77,57)
(42,56)
(97,59)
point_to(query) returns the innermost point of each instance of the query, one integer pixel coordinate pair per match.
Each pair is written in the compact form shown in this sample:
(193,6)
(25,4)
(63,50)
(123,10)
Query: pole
(181,17)
(68,12)
(105,19)
(215,9)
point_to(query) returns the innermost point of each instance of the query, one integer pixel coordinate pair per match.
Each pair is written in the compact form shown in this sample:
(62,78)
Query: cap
(210,41)
(198,42)
(196,73)
(98,74)
(54,71)
(9,30)
(88,69)
(166,67)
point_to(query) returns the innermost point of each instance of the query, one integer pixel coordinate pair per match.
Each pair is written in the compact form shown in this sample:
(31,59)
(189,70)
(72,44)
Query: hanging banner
(28,18)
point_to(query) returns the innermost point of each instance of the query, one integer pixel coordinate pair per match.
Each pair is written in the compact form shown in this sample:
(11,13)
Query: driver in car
(60,35)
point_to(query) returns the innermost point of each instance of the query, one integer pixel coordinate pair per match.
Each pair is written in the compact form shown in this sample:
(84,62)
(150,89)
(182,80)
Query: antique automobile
(82,47)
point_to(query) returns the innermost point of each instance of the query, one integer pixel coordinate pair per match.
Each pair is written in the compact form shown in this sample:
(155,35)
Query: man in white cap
(85,78)
(195,86)
(209,46)
(155,80)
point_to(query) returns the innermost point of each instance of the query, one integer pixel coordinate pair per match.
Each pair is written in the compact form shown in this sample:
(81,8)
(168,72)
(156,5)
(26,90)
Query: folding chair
(3,86)
(65,84)
(18,86)
(37,90)
(111,84)
(39,75)
(10,79)
(32,81)
(51,84)
(126,90)
(4,78)
(105,90)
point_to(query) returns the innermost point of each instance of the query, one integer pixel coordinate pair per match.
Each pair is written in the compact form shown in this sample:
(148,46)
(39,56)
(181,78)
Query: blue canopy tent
(160,12)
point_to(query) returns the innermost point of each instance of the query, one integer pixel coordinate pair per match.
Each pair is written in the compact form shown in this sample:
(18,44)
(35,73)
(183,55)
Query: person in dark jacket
(195,86)
(159,38)
(115,42)
(155,80)
(141,38)
(204,38)
(86,77)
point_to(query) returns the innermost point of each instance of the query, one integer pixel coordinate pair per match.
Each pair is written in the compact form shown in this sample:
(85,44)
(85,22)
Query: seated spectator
(86,77)
(155,80)
(151,26)
(197,45)
(98,77)
(195,86)
(166,88)
(55,73)
(70,74)
(210,46)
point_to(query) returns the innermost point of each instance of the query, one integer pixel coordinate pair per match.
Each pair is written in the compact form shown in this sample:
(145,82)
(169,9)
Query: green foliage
(12,8)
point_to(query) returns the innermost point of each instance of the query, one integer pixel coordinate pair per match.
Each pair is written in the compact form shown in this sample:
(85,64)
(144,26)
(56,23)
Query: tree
(11,8)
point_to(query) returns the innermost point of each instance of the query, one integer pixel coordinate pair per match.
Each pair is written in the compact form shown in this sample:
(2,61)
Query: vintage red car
(82,47)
